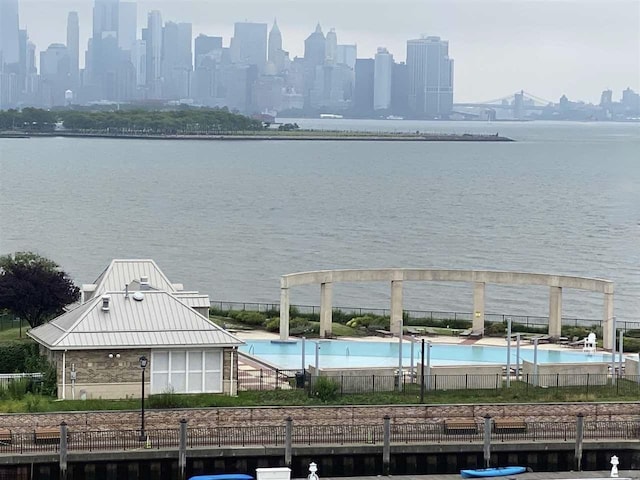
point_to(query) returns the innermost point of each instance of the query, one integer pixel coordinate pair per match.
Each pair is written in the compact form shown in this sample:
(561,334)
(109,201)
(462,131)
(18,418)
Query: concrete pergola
(479,279)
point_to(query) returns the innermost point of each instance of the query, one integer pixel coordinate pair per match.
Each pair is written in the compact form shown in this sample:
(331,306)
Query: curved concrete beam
(479,278)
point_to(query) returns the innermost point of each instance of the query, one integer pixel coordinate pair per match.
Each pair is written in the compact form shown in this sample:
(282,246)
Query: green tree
(34,288)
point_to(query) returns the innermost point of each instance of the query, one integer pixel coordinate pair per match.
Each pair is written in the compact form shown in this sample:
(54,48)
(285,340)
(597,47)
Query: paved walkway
(599,475)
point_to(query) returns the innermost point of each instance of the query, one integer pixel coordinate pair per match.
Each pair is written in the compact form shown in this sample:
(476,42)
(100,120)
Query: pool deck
(444,339)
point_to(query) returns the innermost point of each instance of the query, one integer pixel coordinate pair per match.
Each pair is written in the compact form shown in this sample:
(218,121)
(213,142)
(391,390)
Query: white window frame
(203,372)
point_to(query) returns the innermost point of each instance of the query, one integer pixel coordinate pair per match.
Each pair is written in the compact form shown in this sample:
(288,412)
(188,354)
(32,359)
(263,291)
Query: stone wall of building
(330,415)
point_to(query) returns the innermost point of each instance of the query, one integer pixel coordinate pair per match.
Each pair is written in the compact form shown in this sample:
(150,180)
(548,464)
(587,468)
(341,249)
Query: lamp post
(143,366)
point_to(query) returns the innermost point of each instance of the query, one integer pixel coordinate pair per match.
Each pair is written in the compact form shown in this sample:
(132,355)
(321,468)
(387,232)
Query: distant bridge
(518,103)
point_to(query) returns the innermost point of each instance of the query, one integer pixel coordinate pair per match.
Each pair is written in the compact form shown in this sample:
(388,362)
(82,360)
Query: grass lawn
(12,335)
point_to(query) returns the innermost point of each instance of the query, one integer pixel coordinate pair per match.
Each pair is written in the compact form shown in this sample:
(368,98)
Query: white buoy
(614,467)
(313,468)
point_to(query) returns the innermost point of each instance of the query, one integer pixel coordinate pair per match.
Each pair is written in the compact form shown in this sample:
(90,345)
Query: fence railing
(270,379)
(527,320)
(7,378)
(412,384)
(327,435)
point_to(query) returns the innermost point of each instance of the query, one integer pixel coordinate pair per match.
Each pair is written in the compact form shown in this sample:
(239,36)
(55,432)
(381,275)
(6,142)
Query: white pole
(412,364)
(508,352)
(517,356)
(64,375)
(317,359)
(400,361)
(535,361)
(613,351)
(303,354)
(620,352)
(428,365)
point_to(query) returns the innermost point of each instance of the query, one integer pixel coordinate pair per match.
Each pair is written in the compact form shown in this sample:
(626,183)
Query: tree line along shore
(187,123)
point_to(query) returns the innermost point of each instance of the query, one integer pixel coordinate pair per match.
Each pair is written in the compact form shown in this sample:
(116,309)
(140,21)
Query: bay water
(230,217)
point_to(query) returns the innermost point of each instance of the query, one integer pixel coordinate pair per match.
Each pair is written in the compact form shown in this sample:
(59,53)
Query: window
(186,371)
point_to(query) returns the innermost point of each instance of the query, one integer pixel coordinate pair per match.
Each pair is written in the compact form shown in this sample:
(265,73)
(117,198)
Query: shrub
(325,389)
(580,332)
(18,357)
(254,319)
(33,403)
(369,321)
(495,329)
(272,325)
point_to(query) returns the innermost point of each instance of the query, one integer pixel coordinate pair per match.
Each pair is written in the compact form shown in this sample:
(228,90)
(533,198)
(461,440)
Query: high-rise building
(105,18)
(346,55)
(399,89)
(54,74)
(363,95)
(139,61)
(207,46)
(177,60)
(249,44)
(9,33)
(73,48)
(152,35)
(315,48)
(430,77)
(383,72)
(331,47)
(127,25)
(276,55)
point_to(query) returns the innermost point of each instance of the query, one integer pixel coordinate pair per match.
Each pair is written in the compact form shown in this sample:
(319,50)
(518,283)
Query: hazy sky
(546,47)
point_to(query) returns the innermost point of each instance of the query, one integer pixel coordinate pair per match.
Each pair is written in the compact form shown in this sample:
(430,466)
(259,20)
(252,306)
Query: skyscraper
(363,97)
(105,18)
(249,44)
(176,60)
(276,55)
(152,35)
(383,71)
(315,48)
(73,48)
(331,47)
(430,77)
(9,35)
(127,25)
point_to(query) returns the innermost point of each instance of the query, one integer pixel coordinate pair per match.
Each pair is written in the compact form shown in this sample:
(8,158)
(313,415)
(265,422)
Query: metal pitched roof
(194,299)
(159,319)
(122,272)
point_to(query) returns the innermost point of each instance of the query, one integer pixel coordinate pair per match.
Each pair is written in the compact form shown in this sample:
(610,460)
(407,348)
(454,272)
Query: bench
(46,435)
(384,333)
(460,426)
(509,425)
(5,435)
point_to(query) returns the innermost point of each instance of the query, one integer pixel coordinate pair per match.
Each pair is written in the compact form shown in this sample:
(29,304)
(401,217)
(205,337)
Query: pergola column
(607,334)
(555,312)
(478,307)
(396,307)
(284,313)
(326,309)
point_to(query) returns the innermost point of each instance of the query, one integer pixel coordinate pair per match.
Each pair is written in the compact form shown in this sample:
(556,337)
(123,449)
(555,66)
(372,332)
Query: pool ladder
(251,350)
(348,353)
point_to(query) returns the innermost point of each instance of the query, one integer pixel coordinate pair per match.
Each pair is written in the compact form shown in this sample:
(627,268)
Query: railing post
(579,438)
(386,446)
(288,440)
(487,440)
(63,451)
(182,452)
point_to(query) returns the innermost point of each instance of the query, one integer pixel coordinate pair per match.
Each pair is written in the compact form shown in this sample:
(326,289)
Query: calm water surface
(228,218)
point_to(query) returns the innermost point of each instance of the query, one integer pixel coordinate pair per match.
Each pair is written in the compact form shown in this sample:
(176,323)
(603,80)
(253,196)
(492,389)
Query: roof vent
(144,282)
(138,296)
(105,303)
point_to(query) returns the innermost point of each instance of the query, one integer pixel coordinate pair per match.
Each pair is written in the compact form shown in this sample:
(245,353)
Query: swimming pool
(353,354)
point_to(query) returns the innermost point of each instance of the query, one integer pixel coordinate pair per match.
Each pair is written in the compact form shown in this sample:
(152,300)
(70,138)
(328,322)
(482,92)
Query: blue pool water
(351,354)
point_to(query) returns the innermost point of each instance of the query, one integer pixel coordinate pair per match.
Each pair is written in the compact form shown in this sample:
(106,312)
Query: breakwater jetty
(312,135)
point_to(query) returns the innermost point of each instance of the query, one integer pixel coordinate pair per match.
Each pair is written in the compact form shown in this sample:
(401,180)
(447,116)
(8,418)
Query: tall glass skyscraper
(9,33)
(430,77)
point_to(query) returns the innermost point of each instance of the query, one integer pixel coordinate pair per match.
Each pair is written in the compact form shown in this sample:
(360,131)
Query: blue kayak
(492,472)
(223,476)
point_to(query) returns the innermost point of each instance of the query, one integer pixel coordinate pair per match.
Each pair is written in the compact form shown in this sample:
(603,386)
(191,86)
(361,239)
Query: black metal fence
(270,379)
(344,384)
(326,435)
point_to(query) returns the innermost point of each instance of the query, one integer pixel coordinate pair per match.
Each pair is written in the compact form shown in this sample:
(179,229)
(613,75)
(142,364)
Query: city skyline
(499,46)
